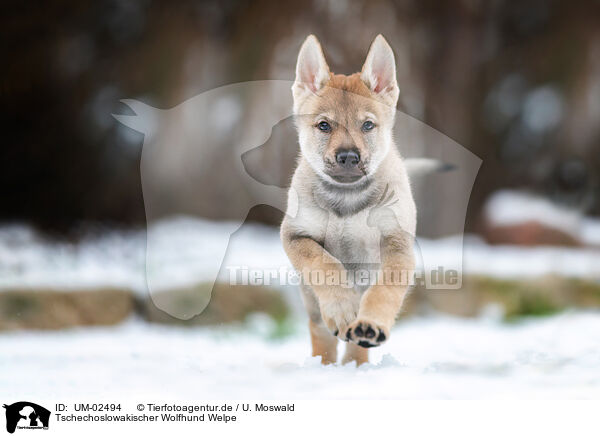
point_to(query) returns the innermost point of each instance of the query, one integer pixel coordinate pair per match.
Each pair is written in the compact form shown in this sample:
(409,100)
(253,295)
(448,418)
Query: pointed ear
(144,120)
(379,70)
(312,71)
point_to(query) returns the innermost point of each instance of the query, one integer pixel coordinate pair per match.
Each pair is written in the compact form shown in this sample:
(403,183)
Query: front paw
(367,334)
(338,314)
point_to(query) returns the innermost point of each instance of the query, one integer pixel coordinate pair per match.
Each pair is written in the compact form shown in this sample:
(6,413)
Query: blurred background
(515,83)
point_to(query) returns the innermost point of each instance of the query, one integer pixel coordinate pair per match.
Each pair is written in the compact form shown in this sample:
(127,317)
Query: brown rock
(529,233)
(55,309)
(225,304)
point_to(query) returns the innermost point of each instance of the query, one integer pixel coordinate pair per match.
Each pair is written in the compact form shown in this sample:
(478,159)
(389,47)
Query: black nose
(347,158)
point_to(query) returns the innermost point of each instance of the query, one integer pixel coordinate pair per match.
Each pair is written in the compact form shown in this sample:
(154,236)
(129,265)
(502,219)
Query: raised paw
(366,333)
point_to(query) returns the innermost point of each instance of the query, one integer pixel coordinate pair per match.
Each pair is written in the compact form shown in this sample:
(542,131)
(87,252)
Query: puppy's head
(345,122)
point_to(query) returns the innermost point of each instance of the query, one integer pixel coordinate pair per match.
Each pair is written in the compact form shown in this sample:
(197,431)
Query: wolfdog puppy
(354,204)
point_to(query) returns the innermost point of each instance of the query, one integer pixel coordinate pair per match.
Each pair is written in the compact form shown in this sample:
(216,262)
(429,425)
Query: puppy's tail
(418,166)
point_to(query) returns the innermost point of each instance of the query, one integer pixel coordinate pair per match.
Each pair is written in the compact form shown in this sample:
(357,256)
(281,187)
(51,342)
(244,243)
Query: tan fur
(351,83)
(340,227)
(355,353)
(338,306)
(323,343)
(384,301)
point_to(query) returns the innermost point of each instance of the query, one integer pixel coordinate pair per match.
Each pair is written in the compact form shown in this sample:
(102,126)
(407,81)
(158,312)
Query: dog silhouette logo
(26,415)
(193,157)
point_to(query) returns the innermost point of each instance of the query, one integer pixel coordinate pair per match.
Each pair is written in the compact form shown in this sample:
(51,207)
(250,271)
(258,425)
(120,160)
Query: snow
(511,261)
(590,231)
(433,357)
(508,207)
(28,260)
(118,258)
(425,358)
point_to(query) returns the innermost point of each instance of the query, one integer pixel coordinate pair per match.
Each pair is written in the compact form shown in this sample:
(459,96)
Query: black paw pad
(358,331)
(370,333)
(365,344)
(381,337)
(336,333)
(348,333)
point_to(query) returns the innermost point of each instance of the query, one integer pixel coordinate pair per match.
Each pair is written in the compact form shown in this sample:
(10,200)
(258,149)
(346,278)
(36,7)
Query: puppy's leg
(381,302)
(324,344)
(355,353)
(338,303)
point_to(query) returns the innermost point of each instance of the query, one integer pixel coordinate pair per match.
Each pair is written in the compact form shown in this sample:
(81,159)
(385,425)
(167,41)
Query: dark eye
(368,125)
(324,126)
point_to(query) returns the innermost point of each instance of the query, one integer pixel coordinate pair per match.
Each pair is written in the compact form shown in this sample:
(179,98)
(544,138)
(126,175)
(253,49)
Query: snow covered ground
(425,358)
(433,357)
(117,258)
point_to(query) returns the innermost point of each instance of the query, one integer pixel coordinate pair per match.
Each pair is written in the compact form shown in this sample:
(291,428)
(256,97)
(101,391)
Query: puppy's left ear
(379,71)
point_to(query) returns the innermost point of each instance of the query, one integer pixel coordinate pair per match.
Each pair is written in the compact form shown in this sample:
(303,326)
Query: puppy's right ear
(312,71)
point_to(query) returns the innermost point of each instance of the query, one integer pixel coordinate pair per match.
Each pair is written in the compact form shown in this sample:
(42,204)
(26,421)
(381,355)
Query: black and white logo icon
(26,415)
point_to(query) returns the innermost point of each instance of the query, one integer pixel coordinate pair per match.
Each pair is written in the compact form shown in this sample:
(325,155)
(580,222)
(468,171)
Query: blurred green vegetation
(516,298)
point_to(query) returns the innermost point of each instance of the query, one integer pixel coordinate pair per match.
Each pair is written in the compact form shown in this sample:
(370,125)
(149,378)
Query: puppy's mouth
(347,179)
(343,175)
